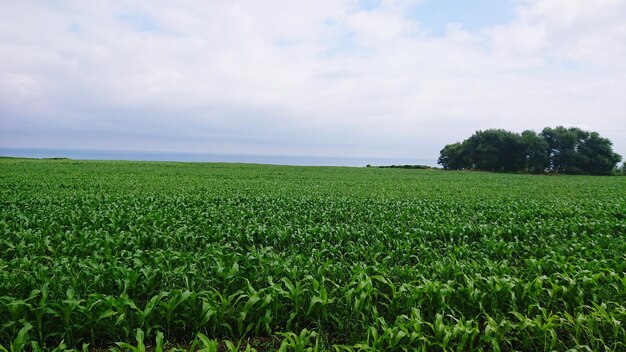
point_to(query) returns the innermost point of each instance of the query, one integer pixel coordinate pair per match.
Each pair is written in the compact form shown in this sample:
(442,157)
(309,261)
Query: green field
(191,255)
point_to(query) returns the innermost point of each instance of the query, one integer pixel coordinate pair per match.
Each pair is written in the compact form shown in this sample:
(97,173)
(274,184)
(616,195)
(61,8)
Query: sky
(362,78)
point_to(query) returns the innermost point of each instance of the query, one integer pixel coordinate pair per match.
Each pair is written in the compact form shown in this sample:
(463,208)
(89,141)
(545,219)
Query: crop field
(216,257)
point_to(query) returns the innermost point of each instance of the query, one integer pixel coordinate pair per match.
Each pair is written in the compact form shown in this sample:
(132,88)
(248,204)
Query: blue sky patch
(435,15)
(140,22)
(368,5)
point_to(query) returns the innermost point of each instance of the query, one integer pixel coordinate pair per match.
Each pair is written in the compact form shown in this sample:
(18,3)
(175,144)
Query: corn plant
(193,256)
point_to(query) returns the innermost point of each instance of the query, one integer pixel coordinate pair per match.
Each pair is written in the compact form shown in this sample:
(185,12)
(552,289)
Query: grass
(158,255)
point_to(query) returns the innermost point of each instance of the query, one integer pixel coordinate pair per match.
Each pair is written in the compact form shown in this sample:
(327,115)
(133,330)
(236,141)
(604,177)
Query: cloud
(329,77)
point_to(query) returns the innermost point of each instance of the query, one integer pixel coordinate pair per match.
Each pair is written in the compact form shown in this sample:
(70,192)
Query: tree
(495,150)
(574,151)
(452,157)
(596,155)
(535,152)
(560,150)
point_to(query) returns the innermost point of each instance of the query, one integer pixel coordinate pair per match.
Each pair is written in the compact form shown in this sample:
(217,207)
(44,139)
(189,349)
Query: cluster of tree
(558,150)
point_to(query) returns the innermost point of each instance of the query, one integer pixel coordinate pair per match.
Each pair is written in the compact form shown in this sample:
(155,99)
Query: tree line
(554,150)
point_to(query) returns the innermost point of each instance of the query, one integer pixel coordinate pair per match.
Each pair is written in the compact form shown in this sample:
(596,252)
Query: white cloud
(320,77)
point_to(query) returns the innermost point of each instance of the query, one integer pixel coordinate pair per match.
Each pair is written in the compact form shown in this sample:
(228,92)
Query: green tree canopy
(495,150)
(452,157)
(535,152)
(559,150)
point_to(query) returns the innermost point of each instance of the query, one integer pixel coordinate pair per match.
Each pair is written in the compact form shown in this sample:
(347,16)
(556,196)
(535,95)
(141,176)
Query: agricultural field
(192,256)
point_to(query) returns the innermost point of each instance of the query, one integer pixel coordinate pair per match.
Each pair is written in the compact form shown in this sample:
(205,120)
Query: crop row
(105,254)
(368,308)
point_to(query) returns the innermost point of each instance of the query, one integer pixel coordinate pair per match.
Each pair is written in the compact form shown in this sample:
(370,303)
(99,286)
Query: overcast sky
(325,77)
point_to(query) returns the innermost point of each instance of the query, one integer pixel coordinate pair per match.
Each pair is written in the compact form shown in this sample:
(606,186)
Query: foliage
(535,152)
(189,256)
(558,150)
(495,150)
(454,157)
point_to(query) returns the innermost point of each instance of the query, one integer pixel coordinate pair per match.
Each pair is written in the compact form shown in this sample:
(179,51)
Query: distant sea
(83,154)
